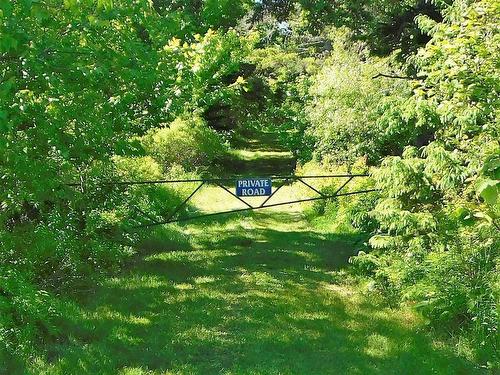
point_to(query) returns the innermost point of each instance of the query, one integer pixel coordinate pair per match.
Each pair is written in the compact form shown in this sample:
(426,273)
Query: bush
(73,247)
(352,114)
(452,280)
(345,213)
(40,263)
(25,312)
(188,143)
(435,227)
(459,287)
(150,201)
(365,264)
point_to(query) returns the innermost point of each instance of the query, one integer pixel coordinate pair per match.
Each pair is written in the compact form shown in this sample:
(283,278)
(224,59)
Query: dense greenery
(435,140)
(81,85)
(93,91)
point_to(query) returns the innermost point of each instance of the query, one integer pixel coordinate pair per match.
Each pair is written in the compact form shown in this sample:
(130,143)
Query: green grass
(261,293)
(259,154)
(248,295)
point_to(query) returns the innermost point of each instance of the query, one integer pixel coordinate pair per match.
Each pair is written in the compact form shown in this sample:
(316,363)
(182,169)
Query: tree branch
(396,77)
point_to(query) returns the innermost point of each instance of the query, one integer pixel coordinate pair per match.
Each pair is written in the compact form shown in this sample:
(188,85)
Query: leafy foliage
(189,144)
(386,26)
(438,216)
(353,114)
(96,91)
(432,137)
(80,83)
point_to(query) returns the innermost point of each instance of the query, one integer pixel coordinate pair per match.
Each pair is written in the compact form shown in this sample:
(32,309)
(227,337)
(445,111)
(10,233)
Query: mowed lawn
(254,294)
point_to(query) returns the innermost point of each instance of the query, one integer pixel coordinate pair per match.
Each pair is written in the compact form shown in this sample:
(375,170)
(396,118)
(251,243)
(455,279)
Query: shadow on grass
(262,301)
(258,141)
(267,165)
(262,155)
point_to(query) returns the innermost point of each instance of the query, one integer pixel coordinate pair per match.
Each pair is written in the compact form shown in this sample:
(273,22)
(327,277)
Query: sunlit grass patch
(124,337)
(243,154)
(263,279)
(136,282)
(184,286)
(338,289)
(200,334)
(191,256)
(308,315)
(377,346)
(134,371)
(106,312)
(205,280)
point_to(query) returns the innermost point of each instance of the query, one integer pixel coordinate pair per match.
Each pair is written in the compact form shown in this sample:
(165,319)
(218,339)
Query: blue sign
(253,187)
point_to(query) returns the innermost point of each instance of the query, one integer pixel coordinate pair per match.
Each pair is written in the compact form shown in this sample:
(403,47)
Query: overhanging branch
(393,76)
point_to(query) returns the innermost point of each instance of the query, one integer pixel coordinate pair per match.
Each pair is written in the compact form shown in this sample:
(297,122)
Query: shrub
(188,143)
(150,201)
(25,311)
(346,213)
(352,114)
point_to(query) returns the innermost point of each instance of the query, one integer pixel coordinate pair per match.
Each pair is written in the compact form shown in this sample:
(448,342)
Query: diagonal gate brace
(221,182)
(183,204)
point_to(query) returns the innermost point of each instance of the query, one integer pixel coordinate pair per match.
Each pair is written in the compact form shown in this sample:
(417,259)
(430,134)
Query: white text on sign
(253,187)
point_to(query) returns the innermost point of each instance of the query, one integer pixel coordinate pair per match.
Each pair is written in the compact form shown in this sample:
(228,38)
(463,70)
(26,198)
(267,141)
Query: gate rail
(286,180)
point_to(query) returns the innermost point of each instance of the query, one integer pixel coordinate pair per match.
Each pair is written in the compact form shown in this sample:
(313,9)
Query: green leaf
(488,190)
(105,4)
(484,216)
(70,4)
(492,167)
(8,43)
(380,241)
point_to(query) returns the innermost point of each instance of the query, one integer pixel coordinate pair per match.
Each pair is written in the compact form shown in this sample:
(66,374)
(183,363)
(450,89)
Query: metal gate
(223,183)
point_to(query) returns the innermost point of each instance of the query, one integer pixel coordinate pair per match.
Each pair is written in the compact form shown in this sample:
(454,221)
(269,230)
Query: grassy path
(253,294)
